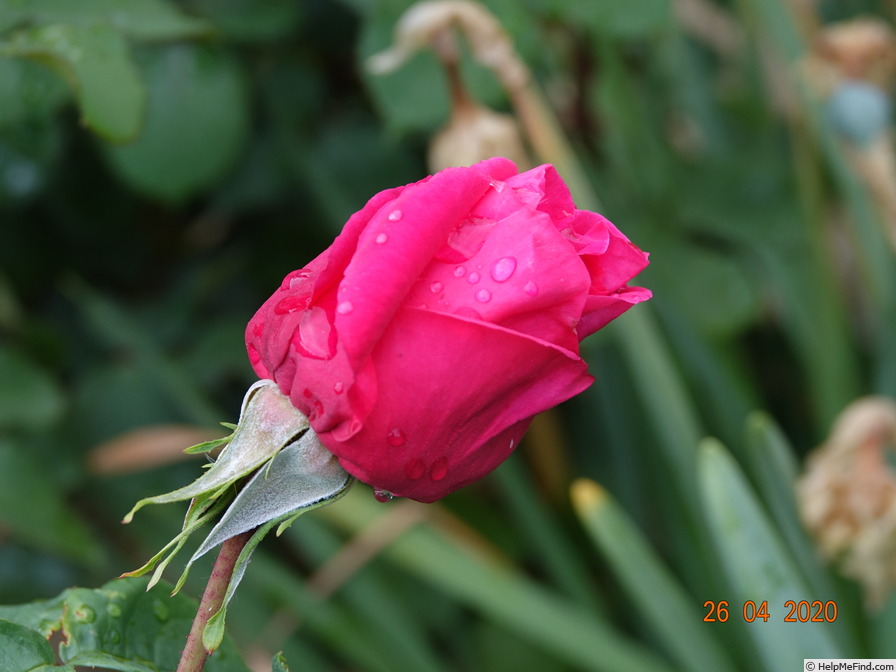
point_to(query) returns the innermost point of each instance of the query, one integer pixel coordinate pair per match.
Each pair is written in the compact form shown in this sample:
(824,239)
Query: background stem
(194,655)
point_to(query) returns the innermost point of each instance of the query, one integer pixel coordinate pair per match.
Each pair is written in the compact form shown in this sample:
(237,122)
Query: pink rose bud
(441,320)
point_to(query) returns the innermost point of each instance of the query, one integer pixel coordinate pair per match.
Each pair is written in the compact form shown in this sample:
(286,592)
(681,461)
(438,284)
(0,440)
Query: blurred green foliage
(164,164)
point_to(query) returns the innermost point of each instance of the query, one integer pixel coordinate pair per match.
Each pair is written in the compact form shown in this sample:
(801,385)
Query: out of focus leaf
(143,19)
(27,91)
(628,19)
(250,20)
(34,510)
(95,62)
(29,397)
(660,600)
(758,566)
(557,625)
(27,156)
(196,122)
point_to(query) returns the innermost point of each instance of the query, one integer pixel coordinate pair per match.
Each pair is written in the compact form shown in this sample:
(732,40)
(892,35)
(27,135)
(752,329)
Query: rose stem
(194,656)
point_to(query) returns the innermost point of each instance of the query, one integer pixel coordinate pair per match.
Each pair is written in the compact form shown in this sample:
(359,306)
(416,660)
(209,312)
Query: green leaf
(124,627)
(95,62)
(250,20)
(50,526)
(29,397)
(196,122)
(757,565)
(28,91)
(140,19)
(22,649)
(661,602)
(774,469)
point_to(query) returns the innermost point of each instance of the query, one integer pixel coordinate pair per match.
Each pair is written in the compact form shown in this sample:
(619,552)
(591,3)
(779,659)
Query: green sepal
(268,422)
(214,629)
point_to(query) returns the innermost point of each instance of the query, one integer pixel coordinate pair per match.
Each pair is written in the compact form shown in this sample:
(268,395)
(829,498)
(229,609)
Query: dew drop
(382,495)
(254,357)
(473,278)
(497,185)
(531,288)
(160,609)
(439,469)
(345,308)
(396,437)
(300,278)
(459,272)
(314,333)
(436,287)
(85,614)
(290,304)
(114,610)
(512,442)
(483,296)
(415,469)
(394,216)
(381,238)
(114,637)
(338,387)
(503,269)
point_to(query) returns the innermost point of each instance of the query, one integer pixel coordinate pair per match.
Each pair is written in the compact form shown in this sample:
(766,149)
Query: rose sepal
(289,473)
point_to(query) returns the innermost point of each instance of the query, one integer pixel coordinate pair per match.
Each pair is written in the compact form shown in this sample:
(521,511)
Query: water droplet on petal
(473,278)
(381,238)
(394,216)
(113,609)
(338,387)
(382,495)
(415,469)
(290,304)
(436,287)
(459,272)
(531,288)
(254,357)
(483,296)
(497,185)
(396,437)
(439,469)
(314,334)
(503,269)
(160,609)
(300,278)
(511,444)
(85,614)
(345,308)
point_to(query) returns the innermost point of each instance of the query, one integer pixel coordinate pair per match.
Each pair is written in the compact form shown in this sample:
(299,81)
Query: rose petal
(525,277)
(424,436)
(602,309)
(397,243)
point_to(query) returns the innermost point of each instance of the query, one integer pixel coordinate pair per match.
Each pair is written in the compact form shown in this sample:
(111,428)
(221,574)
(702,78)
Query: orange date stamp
(795,611)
